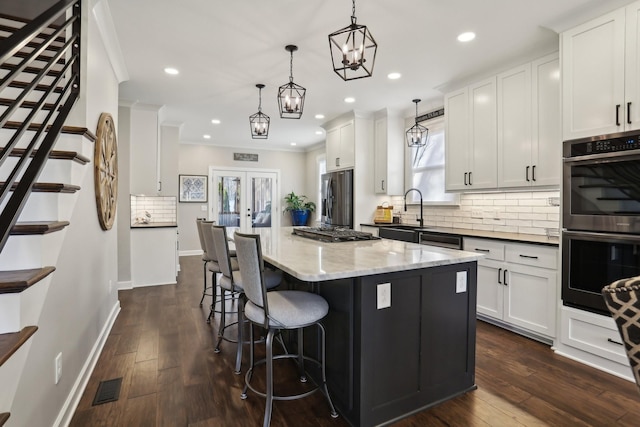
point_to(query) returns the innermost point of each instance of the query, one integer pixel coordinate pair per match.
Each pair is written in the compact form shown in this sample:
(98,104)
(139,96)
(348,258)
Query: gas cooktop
(333,234)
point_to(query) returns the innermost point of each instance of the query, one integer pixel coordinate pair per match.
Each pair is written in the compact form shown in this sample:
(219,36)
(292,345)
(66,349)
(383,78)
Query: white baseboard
(145,285)
(190,253)
(69,408)
(124,286)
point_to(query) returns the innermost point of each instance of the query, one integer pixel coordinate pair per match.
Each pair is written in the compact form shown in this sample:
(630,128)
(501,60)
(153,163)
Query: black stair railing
(42,59)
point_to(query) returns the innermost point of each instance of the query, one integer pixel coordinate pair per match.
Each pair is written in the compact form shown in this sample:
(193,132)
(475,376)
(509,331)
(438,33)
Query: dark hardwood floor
(163,349)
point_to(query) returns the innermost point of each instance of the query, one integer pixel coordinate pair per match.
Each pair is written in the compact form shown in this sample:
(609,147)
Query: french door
(244,200)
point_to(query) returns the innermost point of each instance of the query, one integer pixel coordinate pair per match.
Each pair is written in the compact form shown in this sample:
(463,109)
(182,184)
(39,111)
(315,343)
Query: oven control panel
(608,145)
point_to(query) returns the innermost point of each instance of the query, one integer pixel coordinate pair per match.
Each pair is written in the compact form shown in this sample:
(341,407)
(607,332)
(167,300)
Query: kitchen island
(401,323)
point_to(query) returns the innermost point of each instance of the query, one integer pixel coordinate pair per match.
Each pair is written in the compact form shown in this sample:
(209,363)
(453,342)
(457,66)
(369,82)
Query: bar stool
(623,301)
(231,281)
(276,311)
(206,258)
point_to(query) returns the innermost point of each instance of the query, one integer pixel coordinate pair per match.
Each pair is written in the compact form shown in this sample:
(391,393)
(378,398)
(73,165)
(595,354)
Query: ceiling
(222,49)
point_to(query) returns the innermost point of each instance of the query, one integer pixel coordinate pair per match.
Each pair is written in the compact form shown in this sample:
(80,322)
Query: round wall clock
(105,171)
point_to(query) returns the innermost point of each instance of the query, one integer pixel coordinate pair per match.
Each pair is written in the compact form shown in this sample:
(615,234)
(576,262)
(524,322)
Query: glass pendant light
(417,135)
(259,122)
(353,50)
(290,95)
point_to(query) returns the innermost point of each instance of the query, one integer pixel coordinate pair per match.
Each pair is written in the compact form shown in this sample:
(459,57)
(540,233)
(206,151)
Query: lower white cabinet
(517,284)
(153,256)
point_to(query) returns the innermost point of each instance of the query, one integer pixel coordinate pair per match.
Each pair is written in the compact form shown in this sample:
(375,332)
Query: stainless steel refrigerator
(337,199)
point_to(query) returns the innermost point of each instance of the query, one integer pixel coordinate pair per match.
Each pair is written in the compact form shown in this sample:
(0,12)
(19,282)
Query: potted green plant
(300,208)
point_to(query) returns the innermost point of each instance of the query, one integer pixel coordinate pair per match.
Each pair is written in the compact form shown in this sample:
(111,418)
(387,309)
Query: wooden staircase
(39,83)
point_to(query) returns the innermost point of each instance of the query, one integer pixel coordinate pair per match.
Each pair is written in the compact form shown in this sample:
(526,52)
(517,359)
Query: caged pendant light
(417,135)
(353,50)
(291,96)
(259,122)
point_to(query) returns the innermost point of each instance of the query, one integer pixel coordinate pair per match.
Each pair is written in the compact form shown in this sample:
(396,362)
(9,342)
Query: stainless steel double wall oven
(601,216)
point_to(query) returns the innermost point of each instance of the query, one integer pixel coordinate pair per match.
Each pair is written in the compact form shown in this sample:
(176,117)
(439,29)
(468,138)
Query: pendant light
(418,134)
(353,50)
(259,122)
(290,95)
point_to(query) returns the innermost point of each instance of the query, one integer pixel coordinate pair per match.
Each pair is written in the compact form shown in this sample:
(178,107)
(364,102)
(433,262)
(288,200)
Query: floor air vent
(108,391)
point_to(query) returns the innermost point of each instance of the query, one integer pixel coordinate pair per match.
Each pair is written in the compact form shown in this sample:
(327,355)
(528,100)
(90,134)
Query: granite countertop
(155,225)
(314,261)
(496,235)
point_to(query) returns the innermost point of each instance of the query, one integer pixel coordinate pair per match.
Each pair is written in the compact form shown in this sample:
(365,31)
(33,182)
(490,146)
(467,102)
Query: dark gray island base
(388,363)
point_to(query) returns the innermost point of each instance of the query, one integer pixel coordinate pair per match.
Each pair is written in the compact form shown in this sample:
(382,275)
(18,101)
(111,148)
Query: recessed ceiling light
(394,76)
(171,71)
(293,143)
(319,132)
(466,37)
(349,99)
(206,136)
(215,121)
(319,116)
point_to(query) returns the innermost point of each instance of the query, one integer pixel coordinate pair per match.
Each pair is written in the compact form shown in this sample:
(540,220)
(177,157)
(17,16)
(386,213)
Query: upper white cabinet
(341,146)
(504,132)
(388,154)
(529,142)
(470,132)
(600,81)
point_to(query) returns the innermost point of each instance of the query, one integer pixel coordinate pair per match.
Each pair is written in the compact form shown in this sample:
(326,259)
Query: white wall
(196,159)
(79,300)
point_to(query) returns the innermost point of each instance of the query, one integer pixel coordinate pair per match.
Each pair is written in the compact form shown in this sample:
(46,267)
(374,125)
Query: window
(425,168)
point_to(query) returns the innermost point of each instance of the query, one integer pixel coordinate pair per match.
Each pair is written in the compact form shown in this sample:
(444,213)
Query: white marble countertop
(314,261)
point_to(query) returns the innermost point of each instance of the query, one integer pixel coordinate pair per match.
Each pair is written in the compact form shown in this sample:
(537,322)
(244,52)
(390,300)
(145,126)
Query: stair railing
(57,84)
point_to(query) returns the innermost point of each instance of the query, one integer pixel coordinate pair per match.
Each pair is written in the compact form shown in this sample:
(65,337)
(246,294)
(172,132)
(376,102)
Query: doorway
(244,200)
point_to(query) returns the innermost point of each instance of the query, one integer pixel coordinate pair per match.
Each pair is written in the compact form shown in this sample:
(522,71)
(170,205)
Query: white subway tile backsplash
(153,209)
(522,212)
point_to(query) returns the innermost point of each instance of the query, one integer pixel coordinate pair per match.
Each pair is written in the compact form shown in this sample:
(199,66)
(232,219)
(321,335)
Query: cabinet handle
(614,342)
(482,250)
(383,185)
(470,183)
(499,273)
(337,161)
(617,114)
(629,112)
(528,256)
(533,172)
(527,174)
(504,277)
(465,178)
(159,185)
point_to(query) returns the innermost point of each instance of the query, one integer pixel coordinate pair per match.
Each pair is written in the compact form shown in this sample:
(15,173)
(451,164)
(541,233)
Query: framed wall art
(193,188)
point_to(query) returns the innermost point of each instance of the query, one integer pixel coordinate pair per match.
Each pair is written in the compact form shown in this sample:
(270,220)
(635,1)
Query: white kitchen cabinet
(388,154)
(517,285)
(470,132)
(153,256)
(600,81)
(341,146)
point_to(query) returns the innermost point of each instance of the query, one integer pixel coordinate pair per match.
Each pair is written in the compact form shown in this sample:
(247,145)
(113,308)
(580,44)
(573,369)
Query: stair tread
(11,342)
(7,102)
(14,281)
(3,418)
(73,130)
(37,227)
(42,88)
(54,154)
(49,187)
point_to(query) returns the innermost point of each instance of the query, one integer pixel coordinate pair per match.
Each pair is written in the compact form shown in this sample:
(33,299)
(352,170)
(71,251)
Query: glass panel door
(245,200)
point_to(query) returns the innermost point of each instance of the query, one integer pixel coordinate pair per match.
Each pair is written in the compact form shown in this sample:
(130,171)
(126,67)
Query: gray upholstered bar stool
(276,311)
(231,281)
(623,301)
(206,258)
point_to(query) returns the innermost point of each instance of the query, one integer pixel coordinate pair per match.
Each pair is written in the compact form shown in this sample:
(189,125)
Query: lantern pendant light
(417,135)
(290,95)
(353,50)
(259,122)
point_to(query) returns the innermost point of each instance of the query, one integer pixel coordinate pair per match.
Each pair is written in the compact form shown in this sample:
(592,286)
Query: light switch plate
(384,295)
(461,282)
